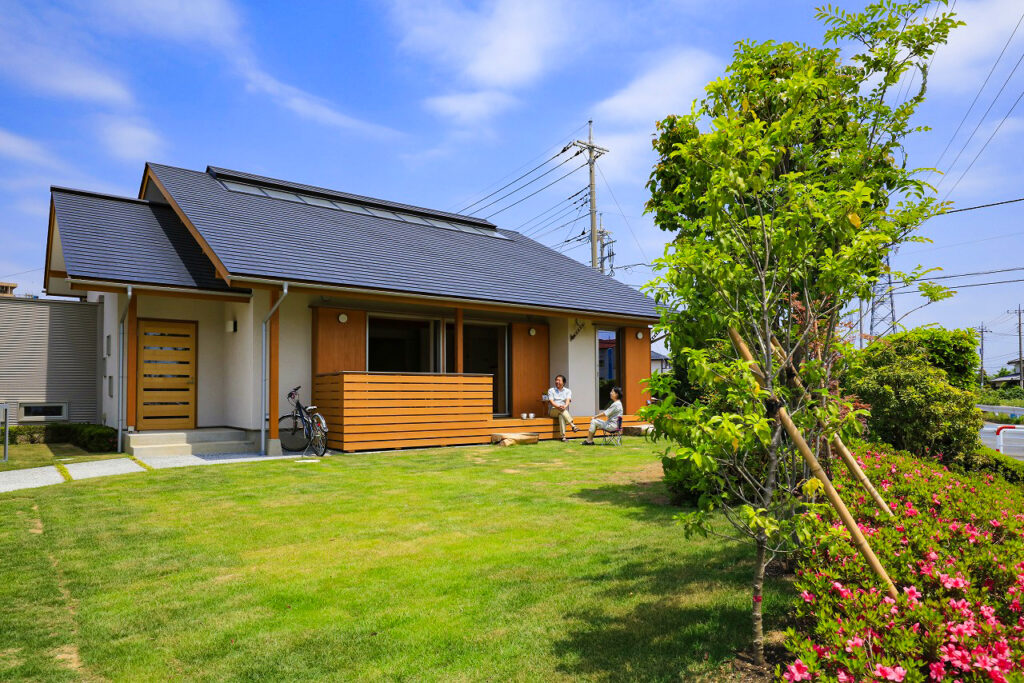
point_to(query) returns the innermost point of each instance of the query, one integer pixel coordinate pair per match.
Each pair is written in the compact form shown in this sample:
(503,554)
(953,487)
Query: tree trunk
(758,626)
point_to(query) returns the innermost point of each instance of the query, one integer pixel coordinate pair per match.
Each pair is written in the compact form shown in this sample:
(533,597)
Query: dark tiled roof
(658,356)
(129,240)
(278,239)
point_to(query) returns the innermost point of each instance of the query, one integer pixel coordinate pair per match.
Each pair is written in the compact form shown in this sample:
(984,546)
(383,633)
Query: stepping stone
(637,430)
(512,438)
(102,468)
(33,477)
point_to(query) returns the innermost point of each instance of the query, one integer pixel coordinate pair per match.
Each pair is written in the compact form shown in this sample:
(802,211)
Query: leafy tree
(784,189)
(953,351)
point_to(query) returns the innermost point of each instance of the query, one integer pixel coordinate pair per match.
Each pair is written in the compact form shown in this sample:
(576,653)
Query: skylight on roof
(323,202)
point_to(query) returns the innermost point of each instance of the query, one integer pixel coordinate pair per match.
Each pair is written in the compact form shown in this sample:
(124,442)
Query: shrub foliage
(93,438)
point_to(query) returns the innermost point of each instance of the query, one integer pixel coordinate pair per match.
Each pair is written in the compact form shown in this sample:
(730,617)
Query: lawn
(529,563)
(21,456)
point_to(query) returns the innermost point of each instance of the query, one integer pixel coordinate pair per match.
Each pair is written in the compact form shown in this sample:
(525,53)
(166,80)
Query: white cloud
(129,138)
(668,87)
(468,109)
(217,24)
(504,44)
(23,149)
(44,51)
(961,65)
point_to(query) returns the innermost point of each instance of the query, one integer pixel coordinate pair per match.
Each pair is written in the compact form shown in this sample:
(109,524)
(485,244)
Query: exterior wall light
(342,318)
(639,334)
(533,331)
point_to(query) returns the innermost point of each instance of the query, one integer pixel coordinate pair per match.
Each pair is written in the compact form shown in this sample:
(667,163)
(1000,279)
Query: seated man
(610,423)
(560,396)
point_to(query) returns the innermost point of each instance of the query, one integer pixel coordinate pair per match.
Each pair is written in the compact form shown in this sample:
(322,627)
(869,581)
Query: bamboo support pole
(837,444)
(859,542)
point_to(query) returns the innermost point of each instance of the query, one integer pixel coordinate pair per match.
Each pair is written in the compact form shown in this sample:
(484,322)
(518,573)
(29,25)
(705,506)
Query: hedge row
(90,437)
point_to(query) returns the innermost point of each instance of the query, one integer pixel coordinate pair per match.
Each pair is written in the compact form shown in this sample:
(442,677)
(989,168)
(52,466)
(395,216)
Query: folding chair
(613,437)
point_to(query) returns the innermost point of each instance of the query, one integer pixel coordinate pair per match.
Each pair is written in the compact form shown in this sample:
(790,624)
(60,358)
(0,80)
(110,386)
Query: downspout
(121,405)
(264,362)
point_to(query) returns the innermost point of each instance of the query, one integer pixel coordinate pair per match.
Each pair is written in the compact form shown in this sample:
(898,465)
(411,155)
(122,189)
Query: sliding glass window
(401,345)
(485,351)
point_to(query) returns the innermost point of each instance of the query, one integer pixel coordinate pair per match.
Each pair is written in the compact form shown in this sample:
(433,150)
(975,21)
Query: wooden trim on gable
(49,244)
(222,271)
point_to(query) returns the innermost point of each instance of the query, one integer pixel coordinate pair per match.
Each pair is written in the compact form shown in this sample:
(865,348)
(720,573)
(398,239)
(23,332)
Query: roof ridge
(92,193)
(245,176)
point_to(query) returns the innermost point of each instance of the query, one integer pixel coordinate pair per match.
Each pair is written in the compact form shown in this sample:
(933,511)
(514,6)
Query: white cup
(532,416)
(523,415)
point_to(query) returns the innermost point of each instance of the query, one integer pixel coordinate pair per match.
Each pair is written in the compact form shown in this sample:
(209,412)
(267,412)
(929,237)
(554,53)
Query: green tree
(784,189)
(953,351)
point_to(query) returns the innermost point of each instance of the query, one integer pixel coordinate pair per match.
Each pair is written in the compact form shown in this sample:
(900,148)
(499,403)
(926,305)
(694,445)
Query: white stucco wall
(240,375)
(576,358)
(295,365)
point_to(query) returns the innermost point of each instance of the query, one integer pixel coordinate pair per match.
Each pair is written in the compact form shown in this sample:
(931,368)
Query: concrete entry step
(184,436)
(192,442)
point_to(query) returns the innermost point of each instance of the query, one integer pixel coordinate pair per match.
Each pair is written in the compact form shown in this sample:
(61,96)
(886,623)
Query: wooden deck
(373,411)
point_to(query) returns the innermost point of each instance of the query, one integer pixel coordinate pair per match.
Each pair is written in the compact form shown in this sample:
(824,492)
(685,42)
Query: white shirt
(559,397)
(613,411)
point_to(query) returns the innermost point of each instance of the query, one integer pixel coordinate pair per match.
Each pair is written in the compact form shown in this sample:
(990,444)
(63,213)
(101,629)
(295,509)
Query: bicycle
(303,427)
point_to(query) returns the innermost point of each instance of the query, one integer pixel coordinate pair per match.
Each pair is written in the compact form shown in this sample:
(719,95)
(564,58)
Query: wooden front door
(166,389)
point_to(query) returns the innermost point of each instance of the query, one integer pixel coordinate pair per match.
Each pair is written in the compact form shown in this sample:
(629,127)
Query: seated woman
(609,423)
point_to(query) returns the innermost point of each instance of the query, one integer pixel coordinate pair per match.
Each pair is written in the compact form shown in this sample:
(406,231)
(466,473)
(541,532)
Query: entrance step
(192,442)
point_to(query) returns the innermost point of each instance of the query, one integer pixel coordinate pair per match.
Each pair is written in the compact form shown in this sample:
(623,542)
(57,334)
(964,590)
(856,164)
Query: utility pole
(593,152)
(607,254)
(981,371)
(1020,349)
(883,305)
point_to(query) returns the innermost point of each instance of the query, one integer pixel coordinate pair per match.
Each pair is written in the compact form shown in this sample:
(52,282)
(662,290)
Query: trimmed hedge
(89,437)
(987,460)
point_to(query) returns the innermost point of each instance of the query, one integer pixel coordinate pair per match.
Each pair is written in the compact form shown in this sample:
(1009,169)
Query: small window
(110,386)
(242,187)
(354,208)
(279,194)
(318,201)
(109,344)
(42,412)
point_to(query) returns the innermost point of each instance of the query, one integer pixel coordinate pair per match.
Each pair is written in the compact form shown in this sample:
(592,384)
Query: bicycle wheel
(319,441)
(292,433)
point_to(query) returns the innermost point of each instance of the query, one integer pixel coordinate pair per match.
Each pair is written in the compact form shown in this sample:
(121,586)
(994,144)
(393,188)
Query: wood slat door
(166,389)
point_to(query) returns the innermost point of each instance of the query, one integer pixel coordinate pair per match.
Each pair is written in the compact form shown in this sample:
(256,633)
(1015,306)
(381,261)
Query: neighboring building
(7,288)
(50,367)
(409,326)
(660,362)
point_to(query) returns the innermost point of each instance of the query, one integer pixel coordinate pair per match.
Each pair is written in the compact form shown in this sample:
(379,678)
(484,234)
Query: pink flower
(758,599)
(937,671)
(808,597)
(797,671)
(890,673)
(912,594)
(854,643)
(845,677)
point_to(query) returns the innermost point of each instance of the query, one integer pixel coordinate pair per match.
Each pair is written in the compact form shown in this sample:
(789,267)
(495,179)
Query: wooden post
(837,444)
(859,541)
(458,340)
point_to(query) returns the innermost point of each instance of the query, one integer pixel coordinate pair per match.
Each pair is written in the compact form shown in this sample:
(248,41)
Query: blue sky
(435,102)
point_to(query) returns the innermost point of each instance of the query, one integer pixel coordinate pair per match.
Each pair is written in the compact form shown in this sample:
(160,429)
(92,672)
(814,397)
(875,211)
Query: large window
(609,364)
(401,345)
(485,352)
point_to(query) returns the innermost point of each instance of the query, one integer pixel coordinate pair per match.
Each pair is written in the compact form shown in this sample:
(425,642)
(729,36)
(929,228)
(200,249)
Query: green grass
(546,562)
(21,456)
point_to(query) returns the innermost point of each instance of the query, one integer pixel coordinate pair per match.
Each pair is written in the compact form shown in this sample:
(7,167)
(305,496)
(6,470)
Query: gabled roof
(265,237)
(129,240)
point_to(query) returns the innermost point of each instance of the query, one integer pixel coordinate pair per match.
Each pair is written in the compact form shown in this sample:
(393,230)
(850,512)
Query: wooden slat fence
(372,411)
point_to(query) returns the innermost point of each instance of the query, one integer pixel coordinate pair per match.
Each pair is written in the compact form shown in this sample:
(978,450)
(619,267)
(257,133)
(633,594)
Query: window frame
(22,417)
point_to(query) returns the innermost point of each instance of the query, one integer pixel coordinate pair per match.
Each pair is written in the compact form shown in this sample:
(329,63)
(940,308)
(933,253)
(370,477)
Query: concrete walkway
(34,477)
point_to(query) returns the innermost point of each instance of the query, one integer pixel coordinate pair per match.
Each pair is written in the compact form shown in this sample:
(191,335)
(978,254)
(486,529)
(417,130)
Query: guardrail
(999,435)
(1012,411)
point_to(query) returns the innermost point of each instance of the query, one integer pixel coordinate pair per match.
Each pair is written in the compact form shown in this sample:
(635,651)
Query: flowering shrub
(955,550)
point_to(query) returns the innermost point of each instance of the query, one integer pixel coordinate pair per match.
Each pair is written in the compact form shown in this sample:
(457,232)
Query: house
(221,290)
(660,362)
(50,360)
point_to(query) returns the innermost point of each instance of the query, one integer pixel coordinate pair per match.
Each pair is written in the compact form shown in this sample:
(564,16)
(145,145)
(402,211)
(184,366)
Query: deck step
(199,448)
(190,436)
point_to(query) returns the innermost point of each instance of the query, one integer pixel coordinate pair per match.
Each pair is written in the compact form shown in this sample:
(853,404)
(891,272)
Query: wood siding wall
(372,411)
(530,364)
(636,367)
(49,352)
(337,346)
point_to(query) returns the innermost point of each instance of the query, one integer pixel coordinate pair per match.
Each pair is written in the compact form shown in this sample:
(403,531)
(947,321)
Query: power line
(561,141)
(566,207)
(978,94)
(971,165)
(972,284)
(545,228)
(624,219)
(959,275)
(983,117)
(551,208)
(517,189)
(31,270)
(519,201)
(983,206)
